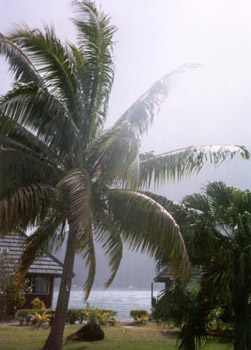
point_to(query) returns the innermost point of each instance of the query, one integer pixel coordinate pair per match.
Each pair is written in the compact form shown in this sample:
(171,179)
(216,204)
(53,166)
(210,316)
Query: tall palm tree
(60,170)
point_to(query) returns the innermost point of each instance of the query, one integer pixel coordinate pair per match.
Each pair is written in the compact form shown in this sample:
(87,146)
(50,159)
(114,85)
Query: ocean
(120,300)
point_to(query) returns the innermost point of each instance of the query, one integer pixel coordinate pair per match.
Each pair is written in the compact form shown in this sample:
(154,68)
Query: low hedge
(73,315)
(135,314)
(25,315)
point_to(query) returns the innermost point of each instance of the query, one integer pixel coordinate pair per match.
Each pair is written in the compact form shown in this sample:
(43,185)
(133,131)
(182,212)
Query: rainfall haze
(207,105)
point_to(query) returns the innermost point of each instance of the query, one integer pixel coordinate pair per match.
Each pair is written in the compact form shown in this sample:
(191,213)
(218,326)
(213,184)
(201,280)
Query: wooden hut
(41,273)
(167,279)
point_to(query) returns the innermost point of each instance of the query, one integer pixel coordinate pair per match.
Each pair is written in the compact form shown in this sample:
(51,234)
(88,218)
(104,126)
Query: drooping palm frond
(78,184)
(112,243)
(176,164)
(13,135)
(141,114)
(26,205)
(20,64)
(95,39)
(40,242)
(146,225)
(19,169)
(42,113)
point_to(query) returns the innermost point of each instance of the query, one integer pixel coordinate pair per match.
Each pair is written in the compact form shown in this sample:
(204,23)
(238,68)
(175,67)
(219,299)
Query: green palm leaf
(15,136)
(146,225)
(40,242)
(141,114)
(177,164)
(20,63)
(95,39)
(53,60)
(112,244)
(18,169)
(26,205)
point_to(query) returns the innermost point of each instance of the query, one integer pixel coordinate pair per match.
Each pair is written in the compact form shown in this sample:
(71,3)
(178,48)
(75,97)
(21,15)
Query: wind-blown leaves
(18,169)
(140,115)
(26,205)
(147,226)
(95,39)
(176,164)
(20,63)
(41,241)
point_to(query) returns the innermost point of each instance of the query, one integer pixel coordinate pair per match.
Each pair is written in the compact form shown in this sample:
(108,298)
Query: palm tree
(60,170)
(224,222)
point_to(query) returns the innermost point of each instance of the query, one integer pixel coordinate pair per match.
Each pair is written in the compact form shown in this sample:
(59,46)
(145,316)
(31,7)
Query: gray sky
(208,105)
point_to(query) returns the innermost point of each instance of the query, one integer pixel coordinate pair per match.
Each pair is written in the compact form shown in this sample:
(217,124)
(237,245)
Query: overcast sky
(208,105)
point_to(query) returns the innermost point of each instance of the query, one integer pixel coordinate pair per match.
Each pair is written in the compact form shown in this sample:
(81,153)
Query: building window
(40,284)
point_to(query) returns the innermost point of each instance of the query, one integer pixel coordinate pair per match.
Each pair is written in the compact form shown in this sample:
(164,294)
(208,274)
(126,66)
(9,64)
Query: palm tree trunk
(55,338)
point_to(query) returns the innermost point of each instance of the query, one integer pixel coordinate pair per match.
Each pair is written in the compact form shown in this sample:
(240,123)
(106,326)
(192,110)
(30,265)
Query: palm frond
(147,226)
(52,59)
(14,135)
(78,185)
(20,64)
(42,113)
(141,114)
(40,242)
(198,202)
(95,39)
(112,244)
(177,164)
(113,154)
(26,205)
(19,169)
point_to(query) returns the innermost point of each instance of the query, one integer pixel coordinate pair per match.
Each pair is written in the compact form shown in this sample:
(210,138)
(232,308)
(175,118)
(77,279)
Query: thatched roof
(43,265)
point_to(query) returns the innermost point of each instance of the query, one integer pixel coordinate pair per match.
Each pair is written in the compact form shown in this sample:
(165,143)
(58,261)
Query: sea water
(120,300)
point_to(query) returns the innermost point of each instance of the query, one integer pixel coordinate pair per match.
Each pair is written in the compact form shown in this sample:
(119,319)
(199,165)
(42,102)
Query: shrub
(37,304)
(74,315)
(24,315)
(137,314)
(40,318)
(11,294)
(99,316)
(141,320)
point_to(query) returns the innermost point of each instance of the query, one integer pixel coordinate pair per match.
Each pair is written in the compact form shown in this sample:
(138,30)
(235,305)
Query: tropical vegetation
(61,171)
(217,230)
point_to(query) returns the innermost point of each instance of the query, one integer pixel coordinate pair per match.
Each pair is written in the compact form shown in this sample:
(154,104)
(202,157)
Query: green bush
(74,315)
(37,304)
(24,315)
(137,314)
(100,316)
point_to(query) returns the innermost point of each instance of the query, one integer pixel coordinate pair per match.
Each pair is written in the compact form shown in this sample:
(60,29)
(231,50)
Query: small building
(41,273)
(165,277)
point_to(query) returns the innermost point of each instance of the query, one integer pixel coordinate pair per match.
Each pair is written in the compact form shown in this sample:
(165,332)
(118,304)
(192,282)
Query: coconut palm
(224,221)
(61,171)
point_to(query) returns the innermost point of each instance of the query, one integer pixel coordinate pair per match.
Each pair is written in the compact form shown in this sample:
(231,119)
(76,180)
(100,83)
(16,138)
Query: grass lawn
(149,337)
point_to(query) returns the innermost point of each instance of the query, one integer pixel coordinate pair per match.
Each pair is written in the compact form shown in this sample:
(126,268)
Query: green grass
(147,337)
